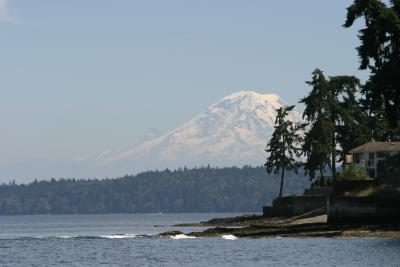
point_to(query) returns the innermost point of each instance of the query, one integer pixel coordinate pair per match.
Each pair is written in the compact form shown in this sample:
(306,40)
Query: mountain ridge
(233,131)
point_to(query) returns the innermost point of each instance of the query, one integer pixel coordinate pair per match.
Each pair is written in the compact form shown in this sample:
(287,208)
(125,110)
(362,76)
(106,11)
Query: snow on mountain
(234,131)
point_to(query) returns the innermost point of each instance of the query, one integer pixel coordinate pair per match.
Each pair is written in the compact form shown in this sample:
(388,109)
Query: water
(131,240)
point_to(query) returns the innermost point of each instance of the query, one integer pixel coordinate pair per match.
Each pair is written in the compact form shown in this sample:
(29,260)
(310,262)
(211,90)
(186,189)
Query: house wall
(369,163)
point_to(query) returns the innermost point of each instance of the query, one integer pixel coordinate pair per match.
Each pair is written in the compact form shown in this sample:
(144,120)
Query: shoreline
(255,226)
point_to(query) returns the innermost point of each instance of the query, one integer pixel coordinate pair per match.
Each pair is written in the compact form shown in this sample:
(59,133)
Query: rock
(171,233)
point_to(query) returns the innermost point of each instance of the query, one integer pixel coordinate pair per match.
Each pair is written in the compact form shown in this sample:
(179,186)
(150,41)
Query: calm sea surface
(131,240)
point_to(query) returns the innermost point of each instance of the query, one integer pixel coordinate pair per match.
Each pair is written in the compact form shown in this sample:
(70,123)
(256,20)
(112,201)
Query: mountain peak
(264,105)
(233,131)
(270,97)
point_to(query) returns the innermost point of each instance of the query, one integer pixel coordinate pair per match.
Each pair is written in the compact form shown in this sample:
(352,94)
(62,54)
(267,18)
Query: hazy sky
(79,77)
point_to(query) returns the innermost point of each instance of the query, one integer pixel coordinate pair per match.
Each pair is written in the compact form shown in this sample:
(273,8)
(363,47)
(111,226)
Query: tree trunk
(333,160)
(282,178)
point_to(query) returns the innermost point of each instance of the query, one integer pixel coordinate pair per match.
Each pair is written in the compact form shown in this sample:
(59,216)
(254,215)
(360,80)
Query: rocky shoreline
(255,226)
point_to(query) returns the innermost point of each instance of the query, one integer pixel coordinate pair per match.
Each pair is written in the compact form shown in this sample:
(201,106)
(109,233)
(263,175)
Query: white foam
(182,236)
(119,236)
(229,237)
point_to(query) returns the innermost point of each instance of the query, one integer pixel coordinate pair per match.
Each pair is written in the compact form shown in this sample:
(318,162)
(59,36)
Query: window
(371,160)
(358,158)
(371,173)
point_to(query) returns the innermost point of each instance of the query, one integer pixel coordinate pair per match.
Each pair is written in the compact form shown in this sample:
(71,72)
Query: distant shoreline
(256,226)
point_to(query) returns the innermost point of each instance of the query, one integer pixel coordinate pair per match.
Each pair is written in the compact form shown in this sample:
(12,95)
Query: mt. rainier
(234,131)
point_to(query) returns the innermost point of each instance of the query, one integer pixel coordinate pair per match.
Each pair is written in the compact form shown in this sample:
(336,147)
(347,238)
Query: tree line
(341,112)
(184,190)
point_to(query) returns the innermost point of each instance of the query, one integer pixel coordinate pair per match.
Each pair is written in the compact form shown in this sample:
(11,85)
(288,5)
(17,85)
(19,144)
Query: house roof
(376,147)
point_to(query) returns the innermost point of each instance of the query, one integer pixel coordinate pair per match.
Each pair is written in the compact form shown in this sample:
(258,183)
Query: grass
(385,191)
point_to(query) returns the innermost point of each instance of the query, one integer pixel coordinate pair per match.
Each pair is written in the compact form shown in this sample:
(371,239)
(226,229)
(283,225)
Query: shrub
(385,191)
(353,173)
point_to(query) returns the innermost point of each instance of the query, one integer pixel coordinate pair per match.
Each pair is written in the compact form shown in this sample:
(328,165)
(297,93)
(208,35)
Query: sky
(80,77)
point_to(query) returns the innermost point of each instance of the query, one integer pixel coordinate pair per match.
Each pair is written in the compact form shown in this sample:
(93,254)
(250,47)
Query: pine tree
(353,128)
(380,53)
(282,147)
(317,146)
(329,109)
(351,122)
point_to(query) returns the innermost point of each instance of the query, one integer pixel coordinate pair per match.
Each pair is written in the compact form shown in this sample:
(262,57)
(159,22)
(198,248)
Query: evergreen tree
(380,52)
(317,145)
(353,130)
(204,189)
(282,147)
(376,121)
(332,111)
(352,127)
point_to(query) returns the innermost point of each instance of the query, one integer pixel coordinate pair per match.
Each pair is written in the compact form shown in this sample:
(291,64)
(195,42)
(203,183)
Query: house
(370,154)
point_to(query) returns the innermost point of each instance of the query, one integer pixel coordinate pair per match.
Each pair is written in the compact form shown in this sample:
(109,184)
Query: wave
(182,236)
(110,236)
(119,236)
(229,237)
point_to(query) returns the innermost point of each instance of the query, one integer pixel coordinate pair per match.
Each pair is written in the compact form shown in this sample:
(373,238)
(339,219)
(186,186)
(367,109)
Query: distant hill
(184,190)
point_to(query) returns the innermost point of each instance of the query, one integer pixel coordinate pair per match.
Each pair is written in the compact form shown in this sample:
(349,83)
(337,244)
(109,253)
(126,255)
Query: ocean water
(132,240)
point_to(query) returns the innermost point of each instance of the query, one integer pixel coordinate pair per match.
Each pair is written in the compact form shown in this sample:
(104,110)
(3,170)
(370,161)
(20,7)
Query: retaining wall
(363,210)
(294,205)
(318,191)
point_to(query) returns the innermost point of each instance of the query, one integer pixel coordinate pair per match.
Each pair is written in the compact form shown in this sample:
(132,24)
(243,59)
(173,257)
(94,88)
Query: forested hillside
(183,190)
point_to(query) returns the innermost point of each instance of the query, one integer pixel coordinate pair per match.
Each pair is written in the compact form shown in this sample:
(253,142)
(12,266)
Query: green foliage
(183,190)
(353,173)
(317,148)
(352,129)
(334,117)
(384,191)
(283,147)
(380,52)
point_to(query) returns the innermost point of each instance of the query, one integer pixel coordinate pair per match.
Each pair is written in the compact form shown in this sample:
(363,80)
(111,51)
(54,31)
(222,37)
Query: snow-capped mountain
(234,131)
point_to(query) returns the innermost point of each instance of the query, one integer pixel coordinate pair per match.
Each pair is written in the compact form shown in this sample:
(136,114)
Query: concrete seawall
(294,205)
(363,210)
